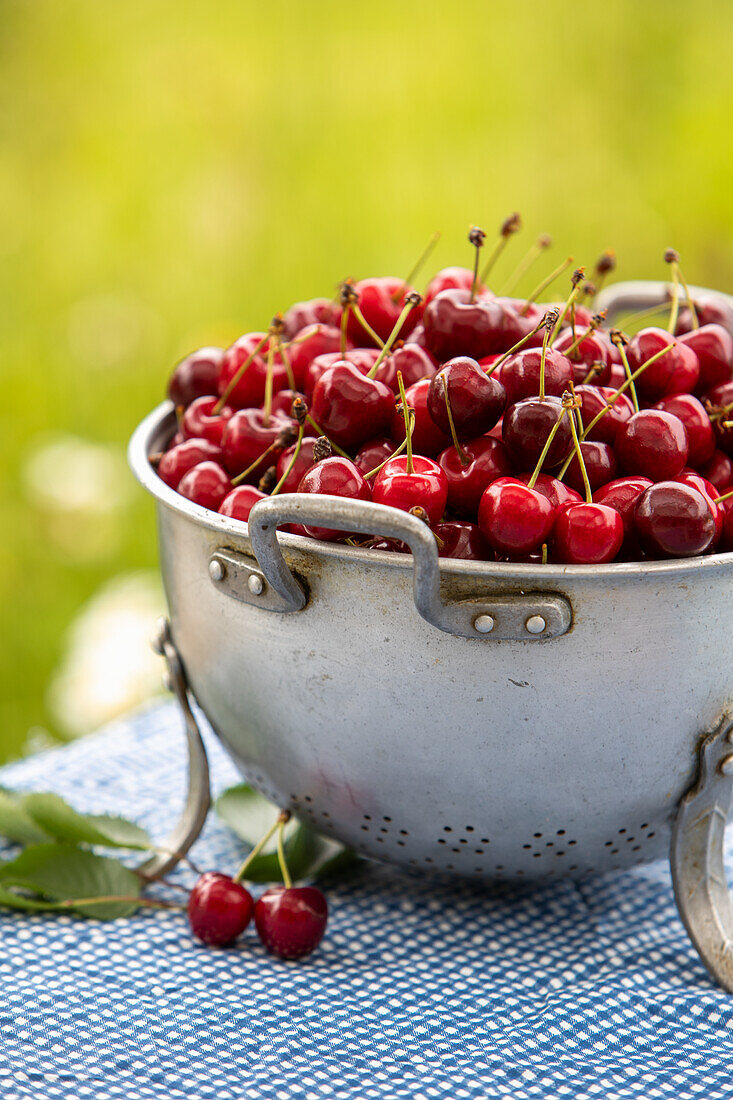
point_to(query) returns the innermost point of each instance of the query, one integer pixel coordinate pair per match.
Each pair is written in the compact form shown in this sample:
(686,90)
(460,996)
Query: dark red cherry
(587,534)
(455,325)
(713,346)
(721,400)
(591,351)
(311,341)
(673,520)
(373,454)
(451,278)
(700,434)
(362,358)
(594,399)
(484,460)
(219,909)
(425,486)
(514,518)
(652,443)
(600,465)
(349,407)
(303,462)
(282,406)
(711,309)
(617,376)
(526,428)
(240,502)
(249,391)
(413,363)
(515,325)
(201,422)
(180,459)
(381,301)
(196,376)
(291,921)
(476,400)
(462,540)
(727,543)
(622,494)
(248,435)
(557,492)
(719,471)
(676,372)
(427,438)
(316,311)
(708,490)
(337,477)
(520,374)
(206,484)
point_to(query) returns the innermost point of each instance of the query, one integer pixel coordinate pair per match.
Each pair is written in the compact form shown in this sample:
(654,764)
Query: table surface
(421,989)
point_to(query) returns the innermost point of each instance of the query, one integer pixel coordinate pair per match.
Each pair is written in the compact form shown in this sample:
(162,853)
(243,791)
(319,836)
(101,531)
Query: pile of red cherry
(517,431)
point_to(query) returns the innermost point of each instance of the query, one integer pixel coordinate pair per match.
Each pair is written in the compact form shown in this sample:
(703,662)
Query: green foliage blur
(172,173)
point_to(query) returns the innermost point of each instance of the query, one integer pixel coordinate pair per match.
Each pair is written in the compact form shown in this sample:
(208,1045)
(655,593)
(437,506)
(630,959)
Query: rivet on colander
(255,584)
(216,570)
(725,767)
(535,624)
(485,623)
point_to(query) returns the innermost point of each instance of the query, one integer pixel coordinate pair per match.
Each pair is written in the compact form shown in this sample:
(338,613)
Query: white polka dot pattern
(421,989)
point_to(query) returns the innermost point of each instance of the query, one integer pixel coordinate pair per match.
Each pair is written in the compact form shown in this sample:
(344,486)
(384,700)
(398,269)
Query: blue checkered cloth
(421,989)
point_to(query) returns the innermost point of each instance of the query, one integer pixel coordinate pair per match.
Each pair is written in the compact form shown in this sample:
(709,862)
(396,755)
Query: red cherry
(248,435)
(201,422)
(316,311)
(205,484)
(556,491)
(719,470)
(456,325)
(652,443)
(728,526)
(514,518)
(196,376)
(312,341)
(526,428)
(291,921)
(180,459)
(587,534)
(721,397)
(425,486)
(708,490)
(373,454)
(451,278)
(462,540)
(673,520)
(699,430)
(249,391)
(476,400)
(219,909)
(381,300)
(622,494)
(520,374)
(600,465)
(413,363)
(483,460)
(617,376)
(427,438)
(337,477)
(711,309)
(350,407)
(240,502)
(676,372)
(362,358)
(591,351)
(594,399)
(303,462)
(713,346)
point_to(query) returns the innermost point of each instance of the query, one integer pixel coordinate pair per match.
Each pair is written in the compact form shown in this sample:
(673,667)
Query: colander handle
(696,856)
(533,616)
(631,296)
(198,797)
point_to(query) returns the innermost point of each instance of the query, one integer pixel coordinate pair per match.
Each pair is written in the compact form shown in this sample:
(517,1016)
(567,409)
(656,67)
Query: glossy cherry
(338,477)
(592,351)
(713,346)
(622,494)
(205,484)
(196,376)
(674,520)
(600,464)
(476,400)
(249,391)
(711,309)
(381,300)
(720,398)
(652,443)
(427,438)
(526,427)
(239,503)
(456,324)
(373,454)
(676,372)
(219,909)
(315,311)
(249,434)
(520,374)
(452,278)
(312,341)
(413,363)
(719,471)
(303,462)
(181,458)
(587,534)
(201,422)
(458,539)
(708,490)
(468,472)
(514,518)
(557,492)
(698,428)
(424,485)
(349,407)
(291,921)
(596,398)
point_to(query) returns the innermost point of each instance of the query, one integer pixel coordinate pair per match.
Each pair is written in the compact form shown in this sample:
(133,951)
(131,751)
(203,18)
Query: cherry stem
(690,304)
(253,465)
(524,265)
(148,903)
(548,443)
(674,308)
(622,389)
(465,460)
(476,237)
(395,453)
(543,356)
(627,369)
(595,368)
(409,421)
(285,360)
(509,227)
(515,347)
(642,314)
(546,282)
(574,293)
(344,325)
(287,881)
(415,269)
(237,376)
(365,324)
(334,446)
(725,496)
(414,300)
(544,553)
(293,460)
(721,413)
(282,819)
(578,340)
(581,461)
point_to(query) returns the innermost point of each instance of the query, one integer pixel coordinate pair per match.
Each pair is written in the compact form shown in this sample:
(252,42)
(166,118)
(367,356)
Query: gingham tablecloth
(420,989)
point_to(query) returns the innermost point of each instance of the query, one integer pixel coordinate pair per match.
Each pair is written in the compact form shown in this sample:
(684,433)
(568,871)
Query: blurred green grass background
(173,173)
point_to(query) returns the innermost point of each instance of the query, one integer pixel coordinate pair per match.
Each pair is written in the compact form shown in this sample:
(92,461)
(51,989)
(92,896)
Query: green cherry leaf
(61,872)
(58,819)
(16,823)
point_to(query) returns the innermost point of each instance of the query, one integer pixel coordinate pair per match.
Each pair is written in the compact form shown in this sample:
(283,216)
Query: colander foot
(198,797)
(698,870)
